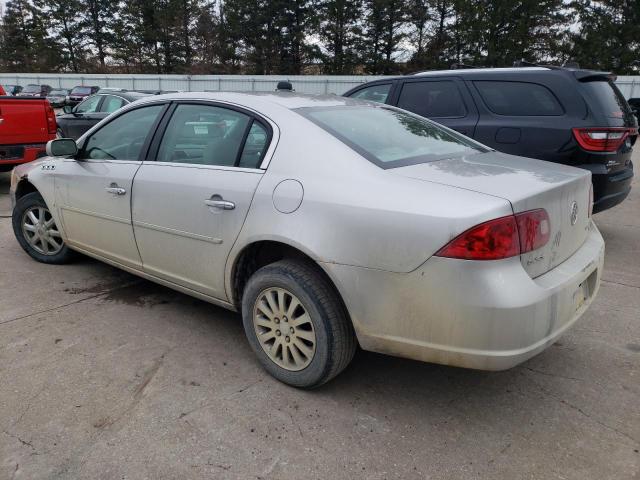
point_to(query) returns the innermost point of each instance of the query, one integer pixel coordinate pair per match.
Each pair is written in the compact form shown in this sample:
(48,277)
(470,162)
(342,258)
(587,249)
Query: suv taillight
(51,119)
(501,238)
(605,139)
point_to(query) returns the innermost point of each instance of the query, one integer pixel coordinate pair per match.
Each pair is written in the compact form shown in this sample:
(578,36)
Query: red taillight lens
(51,119)
(533,229)
(491,240)
(602,139)
(501,238)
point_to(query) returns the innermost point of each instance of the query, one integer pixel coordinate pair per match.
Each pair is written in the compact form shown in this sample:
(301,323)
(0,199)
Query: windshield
(31,89)
(57,93)
(390,138)
(81,91)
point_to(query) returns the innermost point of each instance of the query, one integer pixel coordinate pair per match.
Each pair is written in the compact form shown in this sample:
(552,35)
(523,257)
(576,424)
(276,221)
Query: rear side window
(388,137)
(374,93)
(606,95)
(439,99)
(519,98)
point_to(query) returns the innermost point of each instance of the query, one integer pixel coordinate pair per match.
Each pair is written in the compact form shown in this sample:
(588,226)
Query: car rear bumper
(611,189)
(11,155)
(482,315)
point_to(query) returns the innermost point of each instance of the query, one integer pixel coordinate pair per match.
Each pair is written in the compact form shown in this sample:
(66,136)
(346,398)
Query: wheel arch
(259,253)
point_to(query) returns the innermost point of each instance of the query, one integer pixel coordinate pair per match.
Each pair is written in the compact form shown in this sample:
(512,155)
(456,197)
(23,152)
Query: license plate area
(585,290)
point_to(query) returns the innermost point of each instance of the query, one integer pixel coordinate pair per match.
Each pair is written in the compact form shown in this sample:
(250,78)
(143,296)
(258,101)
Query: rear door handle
(115,189)
(216,201)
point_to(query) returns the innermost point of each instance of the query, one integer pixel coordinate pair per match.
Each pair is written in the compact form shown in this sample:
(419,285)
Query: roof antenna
(284,86)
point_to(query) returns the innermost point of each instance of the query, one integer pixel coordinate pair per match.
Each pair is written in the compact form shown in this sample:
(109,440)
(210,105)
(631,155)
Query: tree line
(314,36)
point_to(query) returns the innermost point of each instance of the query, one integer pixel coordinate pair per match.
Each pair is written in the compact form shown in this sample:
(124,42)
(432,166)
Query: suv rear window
(607,96)
(436,99)
(518,98)
(388,137)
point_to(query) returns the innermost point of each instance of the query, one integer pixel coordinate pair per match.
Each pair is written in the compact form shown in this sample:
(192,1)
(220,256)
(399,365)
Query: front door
(85,115)
(93,192)
(191,201)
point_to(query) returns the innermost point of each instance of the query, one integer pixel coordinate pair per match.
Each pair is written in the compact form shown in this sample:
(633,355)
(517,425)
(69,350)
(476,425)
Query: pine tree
(339,31)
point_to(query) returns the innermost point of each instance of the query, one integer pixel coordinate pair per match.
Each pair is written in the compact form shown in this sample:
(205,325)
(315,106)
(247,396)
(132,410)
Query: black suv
(564,115)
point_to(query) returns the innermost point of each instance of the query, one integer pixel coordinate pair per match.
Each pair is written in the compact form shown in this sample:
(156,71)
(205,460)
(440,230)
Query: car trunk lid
(527,184)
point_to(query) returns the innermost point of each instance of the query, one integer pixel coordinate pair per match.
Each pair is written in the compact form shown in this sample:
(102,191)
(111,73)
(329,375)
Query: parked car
(26,125)
(2,92)
(12,89)
(80,92)
(58,97)
(33,90)
(77,120)
(325,221)
(563,115)
(634,103)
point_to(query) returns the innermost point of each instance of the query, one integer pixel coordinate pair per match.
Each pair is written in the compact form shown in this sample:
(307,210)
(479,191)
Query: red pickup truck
(26,125)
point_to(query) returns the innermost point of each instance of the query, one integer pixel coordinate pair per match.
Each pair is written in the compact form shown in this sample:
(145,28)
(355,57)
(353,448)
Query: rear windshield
(81,90)
(390,138)
(54,93)
(31,88)
(607,97)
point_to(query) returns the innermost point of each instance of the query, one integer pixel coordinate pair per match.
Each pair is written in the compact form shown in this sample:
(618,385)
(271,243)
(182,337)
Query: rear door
(442,99)
(527,115)
(192,196)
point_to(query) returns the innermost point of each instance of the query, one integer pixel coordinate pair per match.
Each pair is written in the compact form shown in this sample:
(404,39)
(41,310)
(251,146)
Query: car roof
(131,96)
(264,100)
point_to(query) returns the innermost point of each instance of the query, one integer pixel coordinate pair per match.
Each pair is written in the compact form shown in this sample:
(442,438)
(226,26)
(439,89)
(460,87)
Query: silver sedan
(328,223)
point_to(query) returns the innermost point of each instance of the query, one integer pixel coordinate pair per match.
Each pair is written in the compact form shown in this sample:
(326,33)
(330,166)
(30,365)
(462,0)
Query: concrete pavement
(104,375)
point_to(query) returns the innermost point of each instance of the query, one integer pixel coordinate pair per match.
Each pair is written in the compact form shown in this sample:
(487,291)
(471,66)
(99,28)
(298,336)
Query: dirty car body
(389,207)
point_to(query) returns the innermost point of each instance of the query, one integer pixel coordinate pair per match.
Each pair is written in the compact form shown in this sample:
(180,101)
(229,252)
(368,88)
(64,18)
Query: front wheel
(296,324)
(36,231)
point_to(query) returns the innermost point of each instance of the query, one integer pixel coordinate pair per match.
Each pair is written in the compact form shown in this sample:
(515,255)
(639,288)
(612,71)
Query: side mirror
(62,147)
(67,109)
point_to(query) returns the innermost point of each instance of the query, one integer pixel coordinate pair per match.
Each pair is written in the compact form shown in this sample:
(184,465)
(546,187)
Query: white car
(327,222)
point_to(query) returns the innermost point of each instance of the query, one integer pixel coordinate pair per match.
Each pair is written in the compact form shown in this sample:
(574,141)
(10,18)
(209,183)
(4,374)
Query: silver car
(328,223)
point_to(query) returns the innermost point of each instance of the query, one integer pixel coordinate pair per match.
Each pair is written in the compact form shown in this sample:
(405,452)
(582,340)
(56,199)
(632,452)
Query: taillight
(501,238)
(533,229)
(51,119)
(602,139)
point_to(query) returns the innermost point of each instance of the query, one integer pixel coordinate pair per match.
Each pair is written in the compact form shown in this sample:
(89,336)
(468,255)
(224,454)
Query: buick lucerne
(328,223)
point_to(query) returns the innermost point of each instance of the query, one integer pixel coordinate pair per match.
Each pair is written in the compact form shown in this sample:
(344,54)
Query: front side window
(122,138)
(374,93)
(110,104)
(390,138)
(90,105)
(434,99)
(518,98)
(210,135)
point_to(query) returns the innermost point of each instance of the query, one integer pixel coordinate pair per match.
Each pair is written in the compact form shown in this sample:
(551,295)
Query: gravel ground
(106,376)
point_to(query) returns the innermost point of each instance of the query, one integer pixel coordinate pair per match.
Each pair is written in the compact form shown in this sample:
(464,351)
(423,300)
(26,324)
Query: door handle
(115,189)
(216,201)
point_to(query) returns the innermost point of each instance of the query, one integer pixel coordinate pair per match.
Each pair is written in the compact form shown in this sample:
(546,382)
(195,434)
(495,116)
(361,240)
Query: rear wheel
(296,324)
(37,232)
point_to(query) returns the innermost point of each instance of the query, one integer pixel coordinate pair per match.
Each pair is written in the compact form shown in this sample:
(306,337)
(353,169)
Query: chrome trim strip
(179,233)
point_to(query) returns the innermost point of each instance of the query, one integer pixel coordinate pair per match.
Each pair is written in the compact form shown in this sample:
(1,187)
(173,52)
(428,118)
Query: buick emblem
(574,213)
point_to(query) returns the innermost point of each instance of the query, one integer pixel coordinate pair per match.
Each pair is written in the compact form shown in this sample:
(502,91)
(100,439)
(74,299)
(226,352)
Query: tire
(6,168)
(326,320)
(42,250)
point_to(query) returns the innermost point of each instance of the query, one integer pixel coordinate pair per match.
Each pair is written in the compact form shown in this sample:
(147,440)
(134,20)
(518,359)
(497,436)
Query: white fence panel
(317,84)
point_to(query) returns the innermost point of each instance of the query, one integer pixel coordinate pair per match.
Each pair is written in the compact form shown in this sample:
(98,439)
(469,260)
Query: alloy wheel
(40,231)
(284,329)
